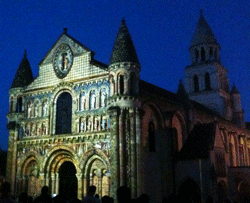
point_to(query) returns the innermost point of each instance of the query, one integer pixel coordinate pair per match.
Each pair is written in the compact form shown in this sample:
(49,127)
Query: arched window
(203,54)
(11,104)
(19,105)
(175,140)
(132,84)
(211,51)
(196,55)
(121,83)
(151,137)
(232,152)
(207,81)
(196,83)
(64,113)
(241,152)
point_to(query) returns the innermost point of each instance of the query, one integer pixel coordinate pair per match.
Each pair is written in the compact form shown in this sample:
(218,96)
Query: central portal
(68,180)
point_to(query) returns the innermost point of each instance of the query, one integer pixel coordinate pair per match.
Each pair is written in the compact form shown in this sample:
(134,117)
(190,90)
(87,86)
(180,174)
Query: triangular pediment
(76,47)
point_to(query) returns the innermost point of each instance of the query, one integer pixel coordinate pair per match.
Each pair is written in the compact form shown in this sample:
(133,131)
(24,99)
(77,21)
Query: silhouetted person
(210,199)
(44,197)
(23,198)
(144,198)
(170,199)
(97,196)
(30,199)
(112,200)
(123,194)
(90,196)
(59,199)
(6,193)
(106,199)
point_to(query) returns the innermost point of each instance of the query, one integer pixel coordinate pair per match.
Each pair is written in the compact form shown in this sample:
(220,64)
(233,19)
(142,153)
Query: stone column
(114,113)
(42,179)
(133,155)
(80,186)
(57,183)
(121,148)
(126,84)
(85,186)
(138,148)
(53,180)
(99,189)
(12,155)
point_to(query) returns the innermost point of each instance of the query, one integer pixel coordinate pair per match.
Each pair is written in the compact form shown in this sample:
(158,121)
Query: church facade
(81,122)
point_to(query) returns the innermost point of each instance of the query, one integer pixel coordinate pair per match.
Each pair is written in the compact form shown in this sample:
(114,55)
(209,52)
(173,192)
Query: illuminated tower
(22,78)
(206,79)
(124,111)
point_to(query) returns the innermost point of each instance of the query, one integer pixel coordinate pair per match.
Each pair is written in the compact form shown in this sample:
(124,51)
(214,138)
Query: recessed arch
(207,81)
(196,83)
(178,122)
(64,113)
(59,151)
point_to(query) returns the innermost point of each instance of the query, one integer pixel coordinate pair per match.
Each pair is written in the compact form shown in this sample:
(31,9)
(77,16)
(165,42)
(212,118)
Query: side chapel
(81,122)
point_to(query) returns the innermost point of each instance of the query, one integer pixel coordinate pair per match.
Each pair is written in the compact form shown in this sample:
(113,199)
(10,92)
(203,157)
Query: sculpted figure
(93,101)
(103,99)
(45,109)
(36,110)
(83,100)
(29,110)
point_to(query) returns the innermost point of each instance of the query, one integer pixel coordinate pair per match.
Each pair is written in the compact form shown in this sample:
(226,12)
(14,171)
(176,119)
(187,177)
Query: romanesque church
(81,122)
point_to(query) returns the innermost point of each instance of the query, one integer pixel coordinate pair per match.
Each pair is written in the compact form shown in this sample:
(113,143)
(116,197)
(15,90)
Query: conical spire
(24,74)
(182,94)
(235,90)
(123,50)
(203,33)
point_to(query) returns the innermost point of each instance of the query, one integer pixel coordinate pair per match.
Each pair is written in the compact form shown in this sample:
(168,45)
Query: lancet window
(196,83)
(151,137)
(207,81)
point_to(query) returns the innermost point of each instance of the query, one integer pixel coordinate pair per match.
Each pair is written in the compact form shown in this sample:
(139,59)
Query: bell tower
(206,79)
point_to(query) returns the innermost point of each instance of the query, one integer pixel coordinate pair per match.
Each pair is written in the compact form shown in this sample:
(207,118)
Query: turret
(124,111)
(22,78)
(238,113)
(206,79)
(124,65)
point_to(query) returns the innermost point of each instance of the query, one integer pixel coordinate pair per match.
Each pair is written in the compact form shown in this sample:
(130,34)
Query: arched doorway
(68,180)
(98,176)
(64,113)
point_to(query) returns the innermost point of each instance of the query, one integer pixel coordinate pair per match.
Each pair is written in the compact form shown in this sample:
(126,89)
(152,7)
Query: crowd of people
(123,196)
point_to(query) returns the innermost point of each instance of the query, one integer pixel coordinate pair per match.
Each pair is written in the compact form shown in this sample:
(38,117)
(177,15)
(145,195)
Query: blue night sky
(161,32)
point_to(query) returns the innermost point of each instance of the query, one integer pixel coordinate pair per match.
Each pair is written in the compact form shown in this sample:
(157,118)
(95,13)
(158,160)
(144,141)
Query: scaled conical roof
(24,74)
(123,50)
(203,33)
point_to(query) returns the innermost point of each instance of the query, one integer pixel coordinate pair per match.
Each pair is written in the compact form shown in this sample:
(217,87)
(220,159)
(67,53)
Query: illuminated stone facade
(108,128)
